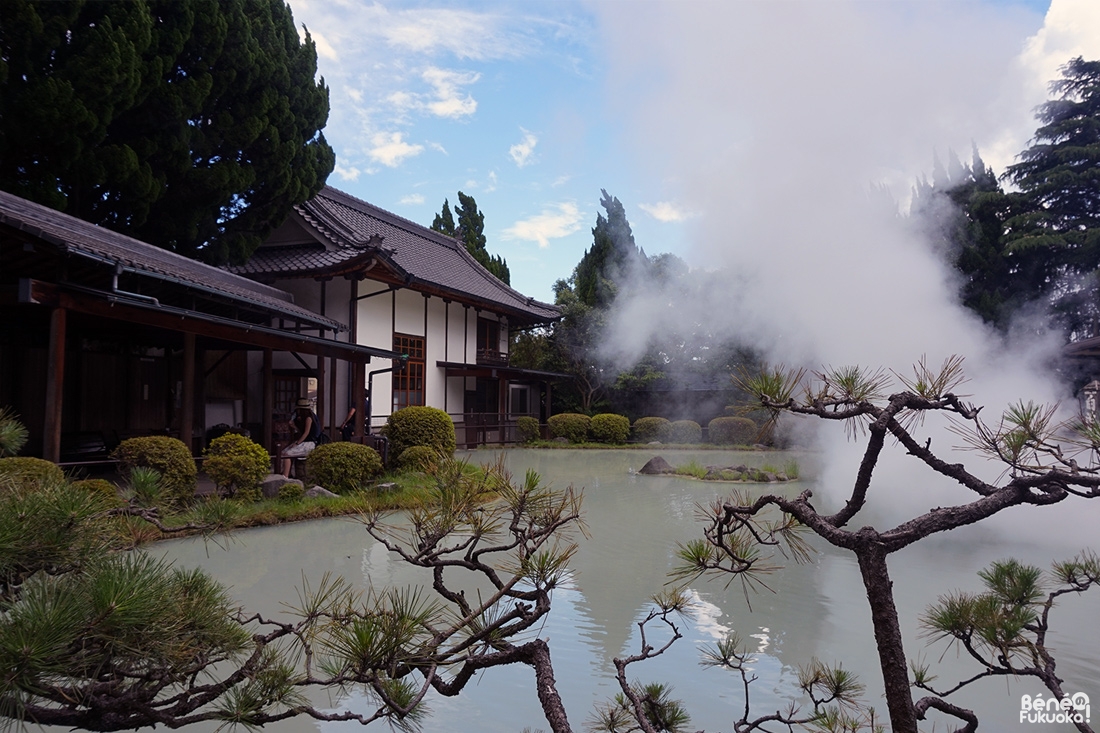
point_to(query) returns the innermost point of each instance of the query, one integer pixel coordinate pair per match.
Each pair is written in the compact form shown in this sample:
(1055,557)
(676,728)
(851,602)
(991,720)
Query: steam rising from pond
(794,129)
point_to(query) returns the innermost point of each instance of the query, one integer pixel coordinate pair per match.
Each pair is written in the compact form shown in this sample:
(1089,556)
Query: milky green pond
(635,523)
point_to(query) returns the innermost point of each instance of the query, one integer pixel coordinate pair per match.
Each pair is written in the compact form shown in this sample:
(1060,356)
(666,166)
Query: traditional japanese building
(395,285)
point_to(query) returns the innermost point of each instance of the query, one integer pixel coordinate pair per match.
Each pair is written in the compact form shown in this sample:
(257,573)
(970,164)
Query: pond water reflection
(635,523)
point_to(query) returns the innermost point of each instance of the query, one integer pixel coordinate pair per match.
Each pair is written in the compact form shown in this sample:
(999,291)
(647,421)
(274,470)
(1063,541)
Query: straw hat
(303,404)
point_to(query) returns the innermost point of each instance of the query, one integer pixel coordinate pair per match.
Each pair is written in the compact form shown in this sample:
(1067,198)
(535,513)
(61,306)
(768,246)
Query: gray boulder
(275,481)
(656,466)
(317,491)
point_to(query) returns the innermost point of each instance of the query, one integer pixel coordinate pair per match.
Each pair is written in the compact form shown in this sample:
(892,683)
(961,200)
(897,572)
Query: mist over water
(795,131)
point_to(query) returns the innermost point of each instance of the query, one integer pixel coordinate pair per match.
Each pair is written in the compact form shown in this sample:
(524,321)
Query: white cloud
(438,147)
(492,185)
(550,224)
(561,181)
(390,149)
(324,48)
(465,34)
(521,151)
(665,211)
(413,199)
(347,174)
(1071,28)
(449,101)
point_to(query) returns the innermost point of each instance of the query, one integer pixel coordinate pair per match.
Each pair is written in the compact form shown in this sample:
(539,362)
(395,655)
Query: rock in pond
(656,465)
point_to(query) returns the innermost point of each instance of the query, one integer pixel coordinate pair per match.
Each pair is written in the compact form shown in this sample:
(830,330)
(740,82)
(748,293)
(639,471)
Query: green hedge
(527,429)
(681,431)
(98,486)
(647,429)
(609,428)
(571,425)
(420,425)
(343,467)
(237,465)
(169,456)
(418,458)
(27,468)
(732,431)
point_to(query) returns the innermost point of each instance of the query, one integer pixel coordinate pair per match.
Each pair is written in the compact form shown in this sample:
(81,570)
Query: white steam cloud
(793,128)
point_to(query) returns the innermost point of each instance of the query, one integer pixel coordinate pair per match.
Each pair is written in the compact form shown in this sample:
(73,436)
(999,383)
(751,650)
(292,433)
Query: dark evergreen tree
(444,222)
(470,228)
(1059,212)
(191,124)
(612,257)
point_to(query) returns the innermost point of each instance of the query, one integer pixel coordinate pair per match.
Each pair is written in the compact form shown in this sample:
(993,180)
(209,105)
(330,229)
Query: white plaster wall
(375,329)
(456,344)
(410,313)
(436,346)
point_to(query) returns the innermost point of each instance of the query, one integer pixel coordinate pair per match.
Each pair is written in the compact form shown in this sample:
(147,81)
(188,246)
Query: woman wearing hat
(309,430)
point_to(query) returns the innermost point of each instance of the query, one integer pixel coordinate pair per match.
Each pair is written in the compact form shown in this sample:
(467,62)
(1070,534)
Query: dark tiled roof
(349,229)
(97,243)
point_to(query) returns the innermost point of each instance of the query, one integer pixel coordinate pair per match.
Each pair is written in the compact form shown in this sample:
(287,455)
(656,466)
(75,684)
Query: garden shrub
(236,464)
(527,429)
(419,425)
(569,425)
(13,433)
(680,431)
(732,431)
(26,469)
(167,455)
(646,429)
(343,467)
(418,458)
(98,486)
(291,492)
(609,428)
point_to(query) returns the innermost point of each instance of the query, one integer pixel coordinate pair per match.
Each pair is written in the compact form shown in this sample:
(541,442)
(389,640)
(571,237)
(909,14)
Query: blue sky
(533,107)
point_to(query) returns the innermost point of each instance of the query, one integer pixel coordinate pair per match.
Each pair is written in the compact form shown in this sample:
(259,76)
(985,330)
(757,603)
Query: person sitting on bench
(308,428)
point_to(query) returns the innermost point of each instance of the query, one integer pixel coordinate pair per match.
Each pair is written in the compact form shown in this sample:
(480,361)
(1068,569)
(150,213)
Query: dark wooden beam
(55,387)
(269,401)
(187,393)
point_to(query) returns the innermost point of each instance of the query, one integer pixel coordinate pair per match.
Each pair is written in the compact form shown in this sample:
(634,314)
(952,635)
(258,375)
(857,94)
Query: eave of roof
(89,241)
(412,255)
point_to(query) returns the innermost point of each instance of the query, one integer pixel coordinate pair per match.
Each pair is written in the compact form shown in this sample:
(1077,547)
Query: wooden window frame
(409,384)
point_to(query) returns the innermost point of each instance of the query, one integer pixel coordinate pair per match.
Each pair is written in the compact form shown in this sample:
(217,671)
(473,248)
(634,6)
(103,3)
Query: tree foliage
(470,228)
(1042,469)
(193,125)
(1060,192)
(1038,245)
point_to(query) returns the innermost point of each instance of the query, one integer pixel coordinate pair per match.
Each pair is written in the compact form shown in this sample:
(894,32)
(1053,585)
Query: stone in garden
(317,491)
(275,481)
(655,466)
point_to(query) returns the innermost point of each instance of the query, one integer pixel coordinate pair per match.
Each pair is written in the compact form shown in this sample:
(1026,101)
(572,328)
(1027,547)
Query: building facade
(396,285)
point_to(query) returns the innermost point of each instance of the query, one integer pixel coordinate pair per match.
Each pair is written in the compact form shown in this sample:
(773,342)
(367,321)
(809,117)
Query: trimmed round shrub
(291,492)
(168,456)
(26,469)
(343,467)
(236,464)
(527,429)
(646,429)
(731,431)
(609,428)
(681,431)
(418,458)
(571,425)
(98,486)
(420,425)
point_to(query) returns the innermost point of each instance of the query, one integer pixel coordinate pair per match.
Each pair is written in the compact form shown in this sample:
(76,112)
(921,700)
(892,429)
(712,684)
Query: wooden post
(269,402)
(321,411)
(338,413)
(55,387)
(187,394)
(359,398)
